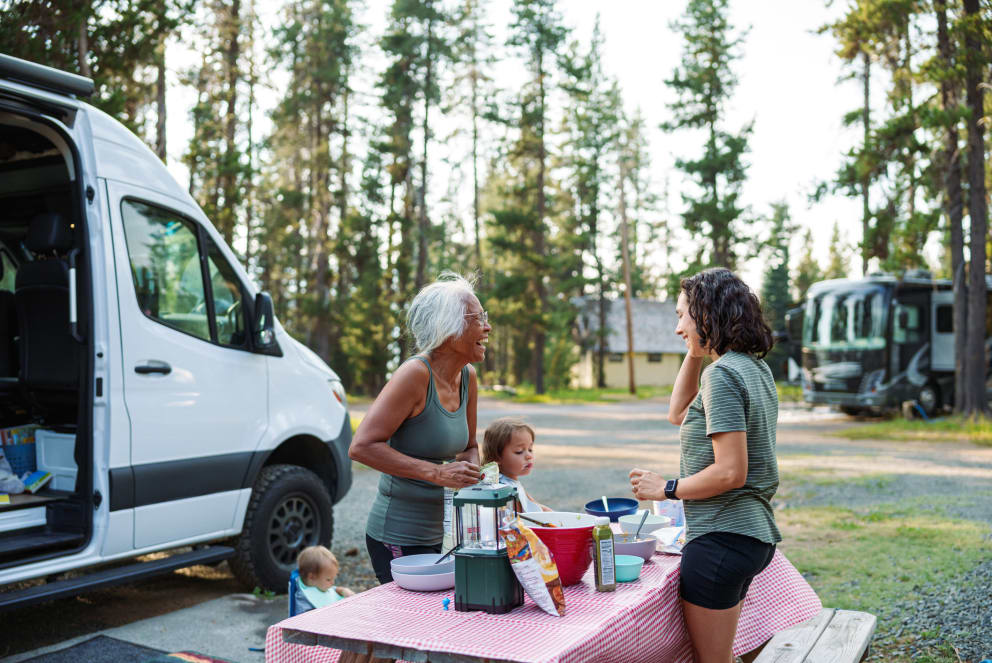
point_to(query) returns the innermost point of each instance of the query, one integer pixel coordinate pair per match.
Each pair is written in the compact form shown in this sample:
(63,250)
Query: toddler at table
(509,443)
(318,569)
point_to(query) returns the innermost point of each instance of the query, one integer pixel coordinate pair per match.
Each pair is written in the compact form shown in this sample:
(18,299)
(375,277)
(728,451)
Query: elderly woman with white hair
(423,418)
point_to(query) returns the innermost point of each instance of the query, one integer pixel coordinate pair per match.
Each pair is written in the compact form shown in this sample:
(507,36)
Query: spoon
(606,506)
(536,521)
(445,555)
(643,518)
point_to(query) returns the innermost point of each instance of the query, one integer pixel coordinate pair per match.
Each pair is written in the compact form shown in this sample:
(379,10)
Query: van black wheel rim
(295,524)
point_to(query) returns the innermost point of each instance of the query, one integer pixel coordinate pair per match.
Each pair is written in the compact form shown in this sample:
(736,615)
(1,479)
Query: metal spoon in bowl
(445,555)
(643,518)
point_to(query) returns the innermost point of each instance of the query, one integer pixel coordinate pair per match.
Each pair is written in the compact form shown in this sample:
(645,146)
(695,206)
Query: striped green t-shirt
(736,393)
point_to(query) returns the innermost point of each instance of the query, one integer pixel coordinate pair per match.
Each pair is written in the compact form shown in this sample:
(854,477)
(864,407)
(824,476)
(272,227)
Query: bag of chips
(533,565)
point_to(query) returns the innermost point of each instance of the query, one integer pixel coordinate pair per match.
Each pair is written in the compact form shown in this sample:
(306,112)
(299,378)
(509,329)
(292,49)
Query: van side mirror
(264,326)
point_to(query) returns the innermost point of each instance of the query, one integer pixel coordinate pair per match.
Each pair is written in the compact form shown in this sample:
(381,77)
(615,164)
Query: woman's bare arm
(728,471)
(685,389)
(394,405)
(471,453)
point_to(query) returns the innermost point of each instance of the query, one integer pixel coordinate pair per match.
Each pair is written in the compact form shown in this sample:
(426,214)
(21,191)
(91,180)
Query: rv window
(654,357)
(165,265)
(907,327)
(228,299)
(945,319)
(853,320)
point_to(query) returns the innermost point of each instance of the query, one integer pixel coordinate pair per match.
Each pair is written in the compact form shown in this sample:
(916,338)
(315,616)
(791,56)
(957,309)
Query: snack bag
(533,565)
(490,473)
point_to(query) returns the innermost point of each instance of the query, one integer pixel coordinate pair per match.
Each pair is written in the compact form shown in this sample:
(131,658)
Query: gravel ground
(584,451)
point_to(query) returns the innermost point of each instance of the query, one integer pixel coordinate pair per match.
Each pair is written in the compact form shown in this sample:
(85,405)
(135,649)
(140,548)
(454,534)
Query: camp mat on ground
(101,649)
(104,649)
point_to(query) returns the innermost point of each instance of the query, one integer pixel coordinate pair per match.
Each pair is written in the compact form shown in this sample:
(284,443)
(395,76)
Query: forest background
(349,151)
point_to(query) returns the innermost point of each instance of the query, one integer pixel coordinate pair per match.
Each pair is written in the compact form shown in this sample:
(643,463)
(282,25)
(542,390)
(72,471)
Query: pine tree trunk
(954,206)
(539,248)
(625,254)
(228,182)
(475,161)
(83,42)
(423,225)
(975,401)
(160,143)
(865,180)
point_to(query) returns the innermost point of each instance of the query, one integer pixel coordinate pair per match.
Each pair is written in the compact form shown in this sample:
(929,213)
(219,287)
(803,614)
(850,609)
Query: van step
(36,539)
(116,576)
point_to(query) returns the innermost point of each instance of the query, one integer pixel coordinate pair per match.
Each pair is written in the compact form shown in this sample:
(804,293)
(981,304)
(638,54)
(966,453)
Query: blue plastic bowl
(619,506)
(628,567)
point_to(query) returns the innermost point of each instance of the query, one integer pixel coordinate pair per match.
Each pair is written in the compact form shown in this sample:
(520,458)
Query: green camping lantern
(483,577)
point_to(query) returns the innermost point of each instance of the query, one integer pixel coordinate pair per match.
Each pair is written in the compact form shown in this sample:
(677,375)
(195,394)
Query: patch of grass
(355,420)
(789,393)
(525,394)
(953,429)
(866,559)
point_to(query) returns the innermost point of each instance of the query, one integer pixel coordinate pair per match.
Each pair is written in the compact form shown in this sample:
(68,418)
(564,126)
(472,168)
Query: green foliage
(117,43)
(775,296)
(703,85)
(807,270)
(838,262)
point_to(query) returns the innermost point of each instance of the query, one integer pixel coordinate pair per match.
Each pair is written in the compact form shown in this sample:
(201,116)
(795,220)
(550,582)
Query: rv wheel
(290,509)
(929,399)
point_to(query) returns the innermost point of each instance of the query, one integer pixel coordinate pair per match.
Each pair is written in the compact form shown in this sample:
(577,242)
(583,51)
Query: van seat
(49,357)
(8,333)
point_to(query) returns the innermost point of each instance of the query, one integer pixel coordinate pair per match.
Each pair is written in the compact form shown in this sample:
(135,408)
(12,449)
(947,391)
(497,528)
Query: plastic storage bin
(21,457)
(56,455)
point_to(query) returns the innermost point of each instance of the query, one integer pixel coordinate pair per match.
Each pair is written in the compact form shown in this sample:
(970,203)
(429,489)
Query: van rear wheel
(290,509)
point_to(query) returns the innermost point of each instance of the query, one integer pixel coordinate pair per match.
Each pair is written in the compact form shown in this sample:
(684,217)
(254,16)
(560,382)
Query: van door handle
(153,367)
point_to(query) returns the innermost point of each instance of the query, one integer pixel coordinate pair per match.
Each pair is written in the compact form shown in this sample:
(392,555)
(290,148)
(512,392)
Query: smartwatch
(670,488)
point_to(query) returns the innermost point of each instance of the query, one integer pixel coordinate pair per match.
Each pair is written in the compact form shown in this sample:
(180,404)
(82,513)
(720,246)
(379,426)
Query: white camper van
(160,391)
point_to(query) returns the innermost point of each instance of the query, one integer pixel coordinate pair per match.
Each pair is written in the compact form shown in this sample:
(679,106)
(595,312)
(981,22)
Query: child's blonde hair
(498,435)
(312,560)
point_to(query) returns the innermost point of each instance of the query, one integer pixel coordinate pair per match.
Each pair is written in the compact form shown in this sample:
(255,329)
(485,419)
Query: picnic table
(640,621)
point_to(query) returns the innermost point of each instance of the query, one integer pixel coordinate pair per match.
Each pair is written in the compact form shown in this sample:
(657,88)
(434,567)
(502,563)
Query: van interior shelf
(27,500)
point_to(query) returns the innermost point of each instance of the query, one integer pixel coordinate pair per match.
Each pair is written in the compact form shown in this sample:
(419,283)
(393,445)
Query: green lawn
(866,559)
(952,429)
(525,394)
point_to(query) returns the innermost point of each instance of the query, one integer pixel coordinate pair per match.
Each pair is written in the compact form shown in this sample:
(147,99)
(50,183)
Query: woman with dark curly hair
(728,471)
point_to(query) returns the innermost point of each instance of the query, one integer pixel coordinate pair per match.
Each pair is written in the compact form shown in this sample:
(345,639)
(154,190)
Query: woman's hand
(646,485)
(458,474)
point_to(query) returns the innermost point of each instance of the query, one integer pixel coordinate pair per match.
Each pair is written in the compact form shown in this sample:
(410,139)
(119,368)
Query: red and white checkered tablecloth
(640,621)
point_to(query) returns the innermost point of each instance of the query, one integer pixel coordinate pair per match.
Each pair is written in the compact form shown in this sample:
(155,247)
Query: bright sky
(788,84)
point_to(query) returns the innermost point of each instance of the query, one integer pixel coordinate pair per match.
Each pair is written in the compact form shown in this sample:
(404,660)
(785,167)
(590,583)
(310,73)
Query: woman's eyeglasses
(482,317)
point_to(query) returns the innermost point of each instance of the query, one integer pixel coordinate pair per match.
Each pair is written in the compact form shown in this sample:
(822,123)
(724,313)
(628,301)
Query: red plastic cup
(570,544)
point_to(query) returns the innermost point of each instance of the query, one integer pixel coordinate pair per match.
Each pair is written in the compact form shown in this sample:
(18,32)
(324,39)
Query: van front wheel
(290,509)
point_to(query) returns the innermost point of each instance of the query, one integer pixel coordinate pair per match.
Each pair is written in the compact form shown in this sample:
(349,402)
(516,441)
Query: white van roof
(119,154)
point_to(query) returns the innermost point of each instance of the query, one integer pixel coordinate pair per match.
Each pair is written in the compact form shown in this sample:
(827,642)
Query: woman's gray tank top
(409,512)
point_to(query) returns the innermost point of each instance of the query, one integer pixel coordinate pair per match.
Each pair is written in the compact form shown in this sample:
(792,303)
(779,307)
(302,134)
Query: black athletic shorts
(382,554)
(717,568)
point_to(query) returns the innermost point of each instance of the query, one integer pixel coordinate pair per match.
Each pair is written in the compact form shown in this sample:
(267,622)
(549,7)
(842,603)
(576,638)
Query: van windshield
(846,319)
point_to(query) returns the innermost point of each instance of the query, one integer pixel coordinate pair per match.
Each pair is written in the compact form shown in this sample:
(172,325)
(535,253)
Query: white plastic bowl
(425,582)
(629,523)
(560,519)
(422,564)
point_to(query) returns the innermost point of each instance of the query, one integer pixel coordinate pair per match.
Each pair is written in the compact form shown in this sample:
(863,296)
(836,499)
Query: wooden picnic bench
(832,636)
